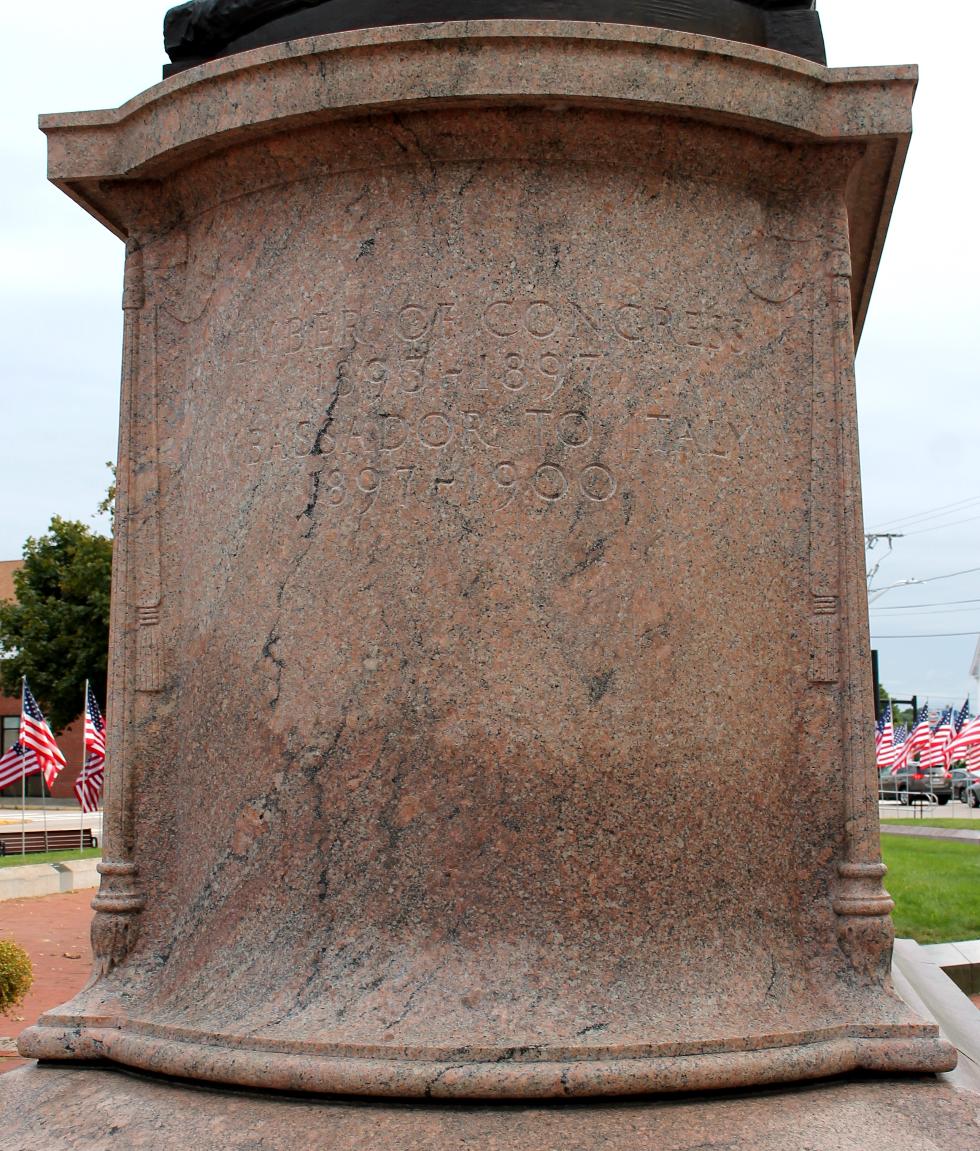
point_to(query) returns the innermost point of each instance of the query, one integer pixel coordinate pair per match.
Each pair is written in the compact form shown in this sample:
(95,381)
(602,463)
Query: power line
(941,527)
(929,612)
(930,513)
(928,579)
(925,517)
(935,603)
(940,699)
(928,635)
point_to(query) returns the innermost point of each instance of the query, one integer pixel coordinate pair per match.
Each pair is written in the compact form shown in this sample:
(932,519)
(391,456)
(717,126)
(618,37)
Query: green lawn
(937,821)
(936,888)
(48,857)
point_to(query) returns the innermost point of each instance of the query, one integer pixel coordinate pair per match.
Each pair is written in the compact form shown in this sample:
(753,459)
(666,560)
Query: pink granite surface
(489,497)
(87,1110)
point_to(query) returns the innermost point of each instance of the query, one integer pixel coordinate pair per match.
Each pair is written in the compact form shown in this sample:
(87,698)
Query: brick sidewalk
(53,930)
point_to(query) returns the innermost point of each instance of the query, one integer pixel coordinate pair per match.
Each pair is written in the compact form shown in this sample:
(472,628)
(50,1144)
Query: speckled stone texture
(87,1110)
(488,499)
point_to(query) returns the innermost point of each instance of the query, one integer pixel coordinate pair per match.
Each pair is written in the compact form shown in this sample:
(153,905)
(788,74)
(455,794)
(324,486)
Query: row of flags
(955,738)
(36,752)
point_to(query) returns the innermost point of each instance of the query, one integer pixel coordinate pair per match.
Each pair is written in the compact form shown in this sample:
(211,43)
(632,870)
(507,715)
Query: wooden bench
(58,839)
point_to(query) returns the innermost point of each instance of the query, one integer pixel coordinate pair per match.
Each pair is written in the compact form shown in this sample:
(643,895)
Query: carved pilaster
(862,905)
(825,510)
(145,511)
(117,905)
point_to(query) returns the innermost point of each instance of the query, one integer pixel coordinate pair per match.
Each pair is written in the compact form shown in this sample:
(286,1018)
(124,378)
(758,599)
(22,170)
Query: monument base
(60,1110)
(489,451)
(514,1073)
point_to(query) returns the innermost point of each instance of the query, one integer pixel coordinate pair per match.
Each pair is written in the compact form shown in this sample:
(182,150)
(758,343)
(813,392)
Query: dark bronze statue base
(208,29)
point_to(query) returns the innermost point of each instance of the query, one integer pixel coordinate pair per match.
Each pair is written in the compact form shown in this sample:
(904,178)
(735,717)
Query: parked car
(910,785)
(973,794)
(961,784)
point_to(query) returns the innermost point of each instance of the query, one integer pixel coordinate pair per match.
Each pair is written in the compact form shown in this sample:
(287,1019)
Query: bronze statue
(208,25)
(205,29)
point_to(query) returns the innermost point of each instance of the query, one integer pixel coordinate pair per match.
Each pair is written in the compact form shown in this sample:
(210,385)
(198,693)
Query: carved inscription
(519,400)
(417,324)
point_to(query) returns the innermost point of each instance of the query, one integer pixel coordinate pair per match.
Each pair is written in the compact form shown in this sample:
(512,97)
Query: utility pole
(871,539)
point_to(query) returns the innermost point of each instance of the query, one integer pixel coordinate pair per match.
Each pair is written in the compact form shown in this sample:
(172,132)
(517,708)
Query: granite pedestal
(488,498)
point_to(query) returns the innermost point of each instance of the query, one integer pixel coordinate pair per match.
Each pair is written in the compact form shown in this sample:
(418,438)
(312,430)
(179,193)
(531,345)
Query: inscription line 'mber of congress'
(416,323)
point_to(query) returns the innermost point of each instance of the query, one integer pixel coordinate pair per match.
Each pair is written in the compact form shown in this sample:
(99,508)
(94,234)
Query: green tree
(108,504)
(899,714)
(57,630)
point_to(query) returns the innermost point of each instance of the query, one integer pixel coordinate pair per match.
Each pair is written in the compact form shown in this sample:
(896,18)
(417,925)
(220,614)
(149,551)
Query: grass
(938,821)
(48,857)
(936,888)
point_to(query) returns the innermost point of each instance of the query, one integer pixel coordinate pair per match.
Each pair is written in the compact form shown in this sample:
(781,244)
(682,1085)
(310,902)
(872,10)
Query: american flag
(973,757)
(935,754)
(966,741)
(898,751)
(960,717)
(886,739)
(16,762)
(879,730)
(965,731)
(921,735)
(88,786)
(36,735)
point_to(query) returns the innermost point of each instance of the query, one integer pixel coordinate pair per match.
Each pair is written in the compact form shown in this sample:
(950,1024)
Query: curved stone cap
(650,70)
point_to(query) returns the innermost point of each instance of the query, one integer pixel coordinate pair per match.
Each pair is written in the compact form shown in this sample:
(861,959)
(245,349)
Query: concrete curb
(48,878)
(920,979)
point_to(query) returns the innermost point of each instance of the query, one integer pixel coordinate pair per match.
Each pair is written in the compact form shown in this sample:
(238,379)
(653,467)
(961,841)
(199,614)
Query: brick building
(70,740)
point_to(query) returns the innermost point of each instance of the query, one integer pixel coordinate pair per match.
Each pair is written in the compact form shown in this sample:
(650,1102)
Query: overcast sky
(61,277)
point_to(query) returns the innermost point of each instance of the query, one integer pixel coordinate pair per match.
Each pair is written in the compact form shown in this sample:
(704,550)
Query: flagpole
(23,781)
(81,790)
(44,808)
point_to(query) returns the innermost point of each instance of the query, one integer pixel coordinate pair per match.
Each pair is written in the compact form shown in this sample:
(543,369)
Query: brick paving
(53,930)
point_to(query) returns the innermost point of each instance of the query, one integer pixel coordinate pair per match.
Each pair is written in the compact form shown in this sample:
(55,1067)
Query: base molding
(507,1073)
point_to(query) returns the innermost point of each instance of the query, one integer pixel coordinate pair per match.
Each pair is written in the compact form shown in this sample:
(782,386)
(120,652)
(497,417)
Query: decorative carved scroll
(774,255)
